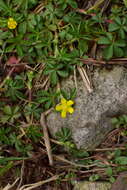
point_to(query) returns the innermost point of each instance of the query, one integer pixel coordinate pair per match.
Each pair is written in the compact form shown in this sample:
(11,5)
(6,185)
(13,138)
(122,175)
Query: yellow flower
(64,107)
(11,23)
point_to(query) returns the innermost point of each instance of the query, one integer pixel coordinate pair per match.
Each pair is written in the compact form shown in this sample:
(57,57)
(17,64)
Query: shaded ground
(37,168)
(20,131)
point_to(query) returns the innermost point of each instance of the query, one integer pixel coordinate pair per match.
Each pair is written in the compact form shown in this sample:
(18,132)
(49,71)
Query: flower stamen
(64,107)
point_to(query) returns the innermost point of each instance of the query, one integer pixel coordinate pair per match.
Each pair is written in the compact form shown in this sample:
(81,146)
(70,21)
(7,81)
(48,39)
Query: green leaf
(15,109)
(104,40)
(118,20)
(113,27)
(4,169)
(62,34)
(22,27)
(117,153)
(73,4)
(10,48)
(109,171)
(73,93)
(64,134)
(5,35)
(120,43)
(118,52)
(125,118)
(125,3)
(64,94)
(4,119)
(81,153)
(125,28)
(52,27)
(108,52)
(7,110)
(94,177)
(54,77)
(124,21)
(19,50)
(122,160)
(110,36)
(4,6)
(114,121)
(6,159)
(42,99)
(112,179)
(122,33)
(63,73)
(83,47)
(48,104)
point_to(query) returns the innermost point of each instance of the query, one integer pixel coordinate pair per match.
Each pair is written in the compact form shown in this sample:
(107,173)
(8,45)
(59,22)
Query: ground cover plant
(41,43)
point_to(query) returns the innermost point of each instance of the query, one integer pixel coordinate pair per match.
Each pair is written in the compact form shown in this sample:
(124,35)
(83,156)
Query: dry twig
(21,178)
(46,138)
(75,79)
(85,79)
(73,163)
(34,185)
(8,186)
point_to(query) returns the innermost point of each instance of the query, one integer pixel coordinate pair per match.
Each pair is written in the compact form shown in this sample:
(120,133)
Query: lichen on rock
(91,121)
(92,186)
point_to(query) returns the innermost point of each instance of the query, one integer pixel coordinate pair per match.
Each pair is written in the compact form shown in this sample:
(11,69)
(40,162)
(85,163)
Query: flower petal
(70,102)
(63,101)
(63,114)
(11,23)
(58,107)
(70,109)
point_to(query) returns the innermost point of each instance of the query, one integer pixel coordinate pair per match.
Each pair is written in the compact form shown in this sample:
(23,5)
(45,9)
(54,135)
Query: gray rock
(92,186)
(91,121)
(121,182)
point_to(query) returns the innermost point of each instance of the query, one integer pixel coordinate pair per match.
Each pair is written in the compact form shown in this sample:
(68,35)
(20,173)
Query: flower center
(64,106)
